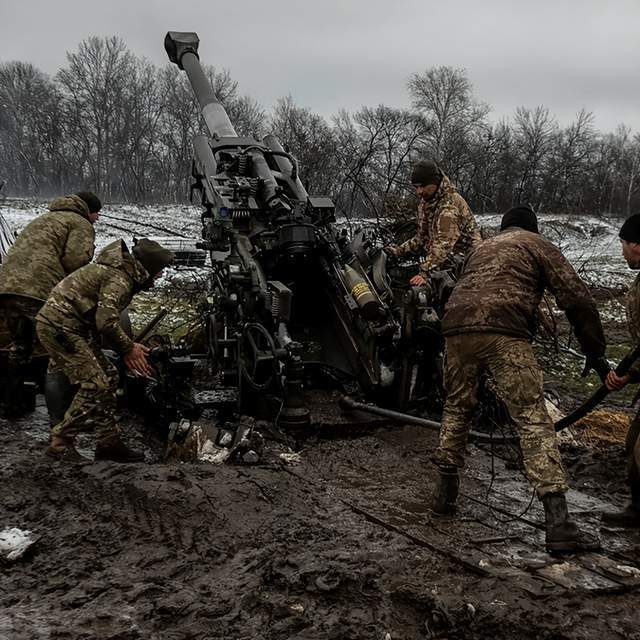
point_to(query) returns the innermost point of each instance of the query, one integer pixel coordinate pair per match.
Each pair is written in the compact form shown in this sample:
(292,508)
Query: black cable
(486,501)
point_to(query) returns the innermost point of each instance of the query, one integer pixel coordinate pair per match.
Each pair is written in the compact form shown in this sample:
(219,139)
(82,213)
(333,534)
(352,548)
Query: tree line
(111,122)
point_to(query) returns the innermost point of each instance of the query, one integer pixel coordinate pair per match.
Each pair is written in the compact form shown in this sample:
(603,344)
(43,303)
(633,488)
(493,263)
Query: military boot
(629,517)
(113,448)
(446,495)
(63,449)
(562,534)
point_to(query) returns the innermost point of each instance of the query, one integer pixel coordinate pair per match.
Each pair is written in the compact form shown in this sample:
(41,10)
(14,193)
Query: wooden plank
(574,576)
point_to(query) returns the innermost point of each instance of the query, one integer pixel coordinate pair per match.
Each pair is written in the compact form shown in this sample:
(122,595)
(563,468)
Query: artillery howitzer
(288,293)
(285,288)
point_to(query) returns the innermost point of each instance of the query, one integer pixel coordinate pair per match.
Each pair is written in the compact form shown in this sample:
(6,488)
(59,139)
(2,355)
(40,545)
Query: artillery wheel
(258,360)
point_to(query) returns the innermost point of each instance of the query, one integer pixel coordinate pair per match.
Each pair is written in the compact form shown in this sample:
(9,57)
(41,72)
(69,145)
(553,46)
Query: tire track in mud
(420,541)
(147,225)
(521,562)
(142,514)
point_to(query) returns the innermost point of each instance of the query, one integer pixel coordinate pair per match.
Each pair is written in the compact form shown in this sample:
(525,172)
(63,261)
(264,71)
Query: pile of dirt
(602,427)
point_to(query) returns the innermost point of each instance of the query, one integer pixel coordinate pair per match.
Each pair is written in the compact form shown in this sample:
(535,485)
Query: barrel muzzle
(177,43)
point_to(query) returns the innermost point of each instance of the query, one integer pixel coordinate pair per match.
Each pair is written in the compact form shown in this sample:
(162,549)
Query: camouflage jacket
(92,298)
(633,321)
(446,227)
(48,249)
(503,282)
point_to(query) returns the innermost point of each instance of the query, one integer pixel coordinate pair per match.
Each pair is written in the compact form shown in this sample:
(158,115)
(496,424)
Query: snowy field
(590,242)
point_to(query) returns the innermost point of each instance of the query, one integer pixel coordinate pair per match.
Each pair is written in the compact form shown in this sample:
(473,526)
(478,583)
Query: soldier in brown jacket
(446,226)
(82,311)
(630,515)
(49,248)
(488,324)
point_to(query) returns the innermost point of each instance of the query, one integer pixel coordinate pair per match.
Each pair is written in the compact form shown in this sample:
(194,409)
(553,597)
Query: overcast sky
(334,54)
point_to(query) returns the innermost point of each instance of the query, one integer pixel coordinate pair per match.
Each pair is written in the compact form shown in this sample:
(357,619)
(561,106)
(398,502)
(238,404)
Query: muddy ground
(336,544)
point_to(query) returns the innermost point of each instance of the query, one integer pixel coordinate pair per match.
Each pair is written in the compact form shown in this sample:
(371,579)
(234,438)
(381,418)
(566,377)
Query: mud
(338,545)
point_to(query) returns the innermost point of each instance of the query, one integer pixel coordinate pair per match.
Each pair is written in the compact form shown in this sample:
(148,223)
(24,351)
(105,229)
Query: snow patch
(14,542)
(590,242)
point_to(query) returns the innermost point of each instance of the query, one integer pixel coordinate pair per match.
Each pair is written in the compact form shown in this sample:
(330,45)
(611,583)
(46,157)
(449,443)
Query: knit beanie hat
(92,200)
(153,256)
(520,216)
(425,172)
(630,230)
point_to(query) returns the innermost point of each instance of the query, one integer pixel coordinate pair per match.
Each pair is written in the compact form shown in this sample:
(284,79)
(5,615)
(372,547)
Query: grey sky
(563,54)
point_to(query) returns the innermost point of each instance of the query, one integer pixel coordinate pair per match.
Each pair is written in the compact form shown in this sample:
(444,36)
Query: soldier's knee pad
(58,394)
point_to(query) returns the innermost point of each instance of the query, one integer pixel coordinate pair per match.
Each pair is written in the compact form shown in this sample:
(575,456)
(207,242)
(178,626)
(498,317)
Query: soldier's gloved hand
(615,382)
(393,250)
(136,360)
(600,365)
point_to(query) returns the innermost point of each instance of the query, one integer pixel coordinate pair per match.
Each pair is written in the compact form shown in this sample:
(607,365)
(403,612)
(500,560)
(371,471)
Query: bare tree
(574,153)
(112,122)
(95,85)
(30,128)
(310,139)
(444,96)
(375,148)
(248,117)
(628,164)
(535,131)
(139,144)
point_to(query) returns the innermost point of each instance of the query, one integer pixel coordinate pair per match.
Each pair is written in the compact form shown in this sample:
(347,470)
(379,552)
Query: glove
(393,250)
(600,365)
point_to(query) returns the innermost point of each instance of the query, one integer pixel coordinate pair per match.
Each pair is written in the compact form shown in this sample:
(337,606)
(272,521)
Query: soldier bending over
(82,310)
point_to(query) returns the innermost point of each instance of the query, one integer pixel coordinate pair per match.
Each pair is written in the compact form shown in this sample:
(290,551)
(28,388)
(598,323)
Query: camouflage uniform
(446,227)
(633,435)
(84,307)
(48,249)
(488,324)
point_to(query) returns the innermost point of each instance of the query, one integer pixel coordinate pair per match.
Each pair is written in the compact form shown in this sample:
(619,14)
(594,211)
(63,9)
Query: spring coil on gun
(243,164)
(240,214)
(254,182)
(275,304)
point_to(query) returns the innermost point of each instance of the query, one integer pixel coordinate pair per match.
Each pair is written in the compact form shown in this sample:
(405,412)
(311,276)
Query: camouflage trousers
(83,362)
(518,380)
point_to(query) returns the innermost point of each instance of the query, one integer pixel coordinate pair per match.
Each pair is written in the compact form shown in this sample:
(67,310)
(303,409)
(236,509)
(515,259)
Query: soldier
(630,515)
(446,226)
(48,249)
(81,311)
(488,324)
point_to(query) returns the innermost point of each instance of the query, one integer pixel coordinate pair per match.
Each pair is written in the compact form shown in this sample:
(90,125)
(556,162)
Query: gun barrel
(182,49)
